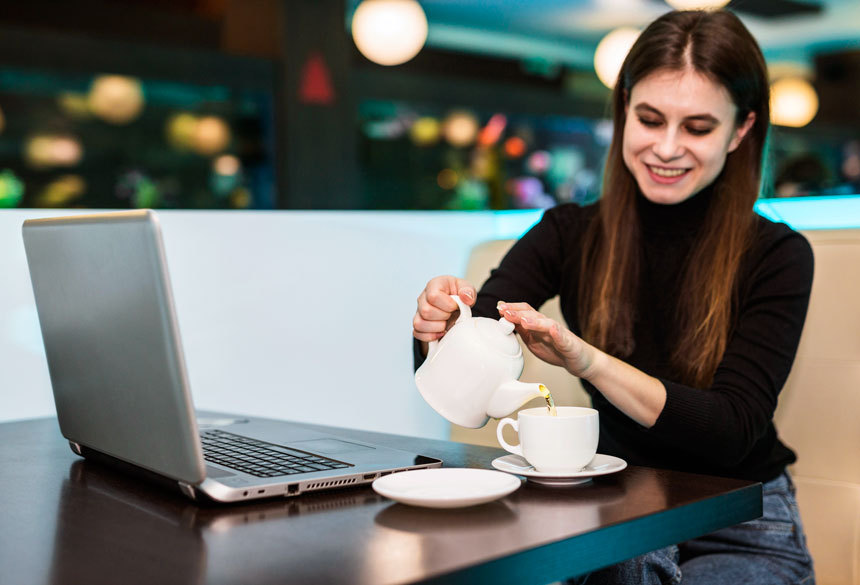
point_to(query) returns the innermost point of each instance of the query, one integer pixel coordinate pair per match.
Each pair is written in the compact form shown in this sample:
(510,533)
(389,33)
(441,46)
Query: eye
(699,131)
(649,122)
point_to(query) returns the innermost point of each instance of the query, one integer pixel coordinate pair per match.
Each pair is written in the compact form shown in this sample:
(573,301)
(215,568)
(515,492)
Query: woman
(683,307)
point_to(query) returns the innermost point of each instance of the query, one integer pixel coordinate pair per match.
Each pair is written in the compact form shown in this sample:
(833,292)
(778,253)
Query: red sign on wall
(315,86)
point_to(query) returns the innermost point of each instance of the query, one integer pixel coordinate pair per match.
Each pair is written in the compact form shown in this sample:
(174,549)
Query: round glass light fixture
(697,4)
(389,32)
(793,102)
(610,54)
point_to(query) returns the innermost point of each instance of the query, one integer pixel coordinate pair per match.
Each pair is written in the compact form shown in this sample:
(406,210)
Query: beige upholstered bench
(819,408)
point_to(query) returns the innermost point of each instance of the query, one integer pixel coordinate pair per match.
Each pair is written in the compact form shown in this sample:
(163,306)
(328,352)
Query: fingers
(517,312)
(530,322)
(466,292)
(435,306)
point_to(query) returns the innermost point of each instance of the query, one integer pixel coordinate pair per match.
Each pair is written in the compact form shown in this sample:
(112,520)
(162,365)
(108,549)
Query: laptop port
(293,488)
(369,476)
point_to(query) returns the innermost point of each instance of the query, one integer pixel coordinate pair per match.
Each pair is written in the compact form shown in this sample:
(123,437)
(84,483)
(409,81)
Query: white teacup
(554,444)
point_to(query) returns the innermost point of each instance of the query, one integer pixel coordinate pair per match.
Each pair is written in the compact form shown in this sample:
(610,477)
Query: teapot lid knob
(506,326)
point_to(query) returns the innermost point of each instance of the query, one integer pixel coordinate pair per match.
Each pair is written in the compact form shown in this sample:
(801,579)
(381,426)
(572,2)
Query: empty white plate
(446,487)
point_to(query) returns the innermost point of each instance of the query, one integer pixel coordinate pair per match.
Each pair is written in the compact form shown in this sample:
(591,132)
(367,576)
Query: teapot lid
(498,335)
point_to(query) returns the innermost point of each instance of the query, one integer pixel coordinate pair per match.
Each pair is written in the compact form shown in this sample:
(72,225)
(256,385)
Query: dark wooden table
(68,521)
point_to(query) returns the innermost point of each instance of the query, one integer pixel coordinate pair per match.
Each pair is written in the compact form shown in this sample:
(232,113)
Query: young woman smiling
(683,307)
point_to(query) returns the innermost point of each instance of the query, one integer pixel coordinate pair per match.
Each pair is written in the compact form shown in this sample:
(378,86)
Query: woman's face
(680,126)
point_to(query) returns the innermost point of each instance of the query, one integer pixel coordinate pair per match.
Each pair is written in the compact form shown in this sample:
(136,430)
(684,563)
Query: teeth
(667,172)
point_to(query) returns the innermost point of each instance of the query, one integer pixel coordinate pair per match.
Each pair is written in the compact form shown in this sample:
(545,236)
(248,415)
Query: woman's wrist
(587,363)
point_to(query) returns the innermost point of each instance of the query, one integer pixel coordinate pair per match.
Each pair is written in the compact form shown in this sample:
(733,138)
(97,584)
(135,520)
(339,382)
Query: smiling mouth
(667,173)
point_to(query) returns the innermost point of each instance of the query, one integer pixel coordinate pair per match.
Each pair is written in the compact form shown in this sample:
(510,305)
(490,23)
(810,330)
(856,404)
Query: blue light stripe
(801,213)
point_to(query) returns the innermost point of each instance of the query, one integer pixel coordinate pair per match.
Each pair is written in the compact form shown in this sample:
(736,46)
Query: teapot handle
(465,310)
(465,313)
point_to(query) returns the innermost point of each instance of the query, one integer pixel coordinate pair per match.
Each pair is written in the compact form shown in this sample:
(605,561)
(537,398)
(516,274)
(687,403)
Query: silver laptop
(118,374)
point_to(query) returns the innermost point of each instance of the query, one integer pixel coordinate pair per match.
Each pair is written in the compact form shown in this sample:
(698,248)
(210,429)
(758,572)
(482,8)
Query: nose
(667,146)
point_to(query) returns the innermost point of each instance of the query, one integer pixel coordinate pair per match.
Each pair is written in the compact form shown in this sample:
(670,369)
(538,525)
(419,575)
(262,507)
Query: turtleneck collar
(682,218)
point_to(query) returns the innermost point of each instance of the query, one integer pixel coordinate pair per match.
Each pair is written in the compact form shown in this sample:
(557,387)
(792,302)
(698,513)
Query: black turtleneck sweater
(726,429)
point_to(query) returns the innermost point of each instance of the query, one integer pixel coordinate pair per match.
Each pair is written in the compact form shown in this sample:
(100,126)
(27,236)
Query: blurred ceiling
(567,31)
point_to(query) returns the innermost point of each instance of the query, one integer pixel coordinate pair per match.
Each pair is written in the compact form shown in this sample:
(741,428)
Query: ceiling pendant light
(610,54)
(793,102)
(697,4)
(389,32)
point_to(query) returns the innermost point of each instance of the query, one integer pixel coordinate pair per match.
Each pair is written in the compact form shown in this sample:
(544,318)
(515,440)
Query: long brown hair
(717,45)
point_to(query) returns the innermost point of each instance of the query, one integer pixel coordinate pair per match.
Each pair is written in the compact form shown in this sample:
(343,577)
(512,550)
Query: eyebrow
(643,108)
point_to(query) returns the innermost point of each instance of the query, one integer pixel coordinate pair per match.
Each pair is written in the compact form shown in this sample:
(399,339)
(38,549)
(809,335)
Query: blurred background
(374,105)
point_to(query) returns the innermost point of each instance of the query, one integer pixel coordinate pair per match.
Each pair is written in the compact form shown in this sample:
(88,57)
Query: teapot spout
(511,395)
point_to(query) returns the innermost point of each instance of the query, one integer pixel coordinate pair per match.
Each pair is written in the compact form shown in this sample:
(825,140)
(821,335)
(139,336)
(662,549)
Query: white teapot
(471,373)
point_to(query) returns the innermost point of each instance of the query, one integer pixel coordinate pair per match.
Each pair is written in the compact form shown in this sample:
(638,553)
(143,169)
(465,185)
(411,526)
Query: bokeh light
(211,135)
(389,32)
(425,131)
(49,150)
(116,99)
(851,160)
(139,189)
(483,163)
(226,165)
(241,198)
(515,147)
(539,162)
(11,189)
(180,130)
(793,102)
(610,54)
(447,178)
(460,128)
(62,191)
(492,132)
(75,105)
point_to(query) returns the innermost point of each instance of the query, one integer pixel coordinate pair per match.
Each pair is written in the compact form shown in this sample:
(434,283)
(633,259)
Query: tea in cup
(560,444)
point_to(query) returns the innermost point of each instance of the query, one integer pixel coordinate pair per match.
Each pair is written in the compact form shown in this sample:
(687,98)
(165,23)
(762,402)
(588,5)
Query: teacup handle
(465,313)
(515,449)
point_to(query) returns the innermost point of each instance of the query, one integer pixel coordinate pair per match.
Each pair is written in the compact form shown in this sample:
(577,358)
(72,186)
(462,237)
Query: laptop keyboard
(260,458)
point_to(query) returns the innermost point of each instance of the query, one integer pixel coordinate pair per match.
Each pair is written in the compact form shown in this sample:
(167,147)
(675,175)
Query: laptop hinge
(76,448)
(187,490)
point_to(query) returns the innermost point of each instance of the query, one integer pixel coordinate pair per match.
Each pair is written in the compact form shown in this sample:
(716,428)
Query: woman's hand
(633,392)
(436,307)
(549,340)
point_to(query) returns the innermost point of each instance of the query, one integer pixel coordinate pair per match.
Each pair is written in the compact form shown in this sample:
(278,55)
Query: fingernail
(468,293)
(500,304)
(525,320)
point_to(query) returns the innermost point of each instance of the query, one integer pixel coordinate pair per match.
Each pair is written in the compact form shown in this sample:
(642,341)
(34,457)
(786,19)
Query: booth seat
(819,408)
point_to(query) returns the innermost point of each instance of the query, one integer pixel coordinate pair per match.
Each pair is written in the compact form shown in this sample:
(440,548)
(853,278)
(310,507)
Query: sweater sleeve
(723,422)
(529,272)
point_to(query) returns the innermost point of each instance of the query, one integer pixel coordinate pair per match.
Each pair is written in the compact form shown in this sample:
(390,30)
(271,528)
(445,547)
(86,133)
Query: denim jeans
(768,551)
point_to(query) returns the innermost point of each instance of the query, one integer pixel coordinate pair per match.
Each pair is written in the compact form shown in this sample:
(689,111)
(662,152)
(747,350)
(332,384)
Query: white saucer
(446,487)
(600,465)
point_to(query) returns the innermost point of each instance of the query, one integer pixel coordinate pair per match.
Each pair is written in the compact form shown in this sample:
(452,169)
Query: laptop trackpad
(329,446)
